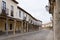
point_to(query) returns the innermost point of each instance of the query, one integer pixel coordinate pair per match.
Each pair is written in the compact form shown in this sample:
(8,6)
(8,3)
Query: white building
(14,19)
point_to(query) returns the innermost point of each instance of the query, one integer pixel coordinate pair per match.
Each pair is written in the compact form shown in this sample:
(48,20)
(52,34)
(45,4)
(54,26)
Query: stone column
(22,27)
(25,30)
(27,27)
(57,21)
(6,26)
(14,27)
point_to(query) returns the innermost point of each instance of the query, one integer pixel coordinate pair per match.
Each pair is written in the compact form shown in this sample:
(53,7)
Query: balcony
(12,13)
(4,12)
(24,18)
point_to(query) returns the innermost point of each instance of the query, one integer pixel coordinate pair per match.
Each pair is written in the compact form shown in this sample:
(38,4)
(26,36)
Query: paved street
(41,35)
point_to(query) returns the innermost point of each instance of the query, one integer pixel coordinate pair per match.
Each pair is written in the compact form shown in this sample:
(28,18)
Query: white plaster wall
(27,17)
(0,5)
(18,14)
(16,11)
(8,5)
(22,15)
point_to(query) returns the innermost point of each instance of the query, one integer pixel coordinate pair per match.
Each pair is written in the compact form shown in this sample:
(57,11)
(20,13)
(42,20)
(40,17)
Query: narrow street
(41,35)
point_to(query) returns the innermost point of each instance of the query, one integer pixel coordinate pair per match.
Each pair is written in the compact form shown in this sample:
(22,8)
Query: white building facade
(14,19)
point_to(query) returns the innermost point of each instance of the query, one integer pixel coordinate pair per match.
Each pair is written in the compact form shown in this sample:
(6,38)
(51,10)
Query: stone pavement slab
(11,36)
(50,36)
(41,35)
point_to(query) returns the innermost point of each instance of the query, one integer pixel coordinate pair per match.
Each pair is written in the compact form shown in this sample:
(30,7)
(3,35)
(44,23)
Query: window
(4,5)
(12,8)
(31,21)
(5,26)
(19,13)
(12,14)
(10,26)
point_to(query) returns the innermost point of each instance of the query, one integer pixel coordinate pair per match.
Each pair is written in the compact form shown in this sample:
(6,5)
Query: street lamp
(47,8)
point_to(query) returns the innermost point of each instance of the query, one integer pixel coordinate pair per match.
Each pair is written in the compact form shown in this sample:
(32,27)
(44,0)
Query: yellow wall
(18,26)
(2,25)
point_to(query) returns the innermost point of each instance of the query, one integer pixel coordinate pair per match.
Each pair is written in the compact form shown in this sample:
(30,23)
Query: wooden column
(6,26)
(14,27)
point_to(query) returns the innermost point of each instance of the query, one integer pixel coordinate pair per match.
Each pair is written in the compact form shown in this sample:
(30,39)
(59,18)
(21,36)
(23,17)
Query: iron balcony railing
(12,13)
(24,18)
(4,11)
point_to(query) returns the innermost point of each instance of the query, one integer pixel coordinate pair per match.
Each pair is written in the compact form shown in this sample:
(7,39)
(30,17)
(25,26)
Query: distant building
(47,25)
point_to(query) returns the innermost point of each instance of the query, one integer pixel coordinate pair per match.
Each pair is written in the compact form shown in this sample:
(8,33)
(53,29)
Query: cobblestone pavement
(41,35)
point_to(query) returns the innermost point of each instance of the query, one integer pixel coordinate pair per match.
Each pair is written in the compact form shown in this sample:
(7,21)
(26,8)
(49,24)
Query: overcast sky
(36,8)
